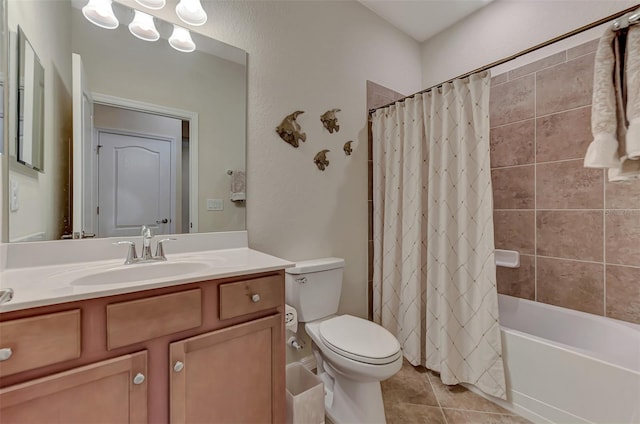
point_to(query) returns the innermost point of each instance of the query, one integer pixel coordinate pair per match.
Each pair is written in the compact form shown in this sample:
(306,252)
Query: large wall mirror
(134,132)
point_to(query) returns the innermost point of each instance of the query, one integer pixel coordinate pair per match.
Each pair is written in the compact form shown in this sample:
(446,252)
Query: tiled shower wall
(578,235)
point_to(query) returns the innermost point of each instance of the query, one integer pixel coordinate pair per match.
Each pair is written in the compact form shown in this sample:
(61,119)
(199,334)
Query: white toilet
(353,355)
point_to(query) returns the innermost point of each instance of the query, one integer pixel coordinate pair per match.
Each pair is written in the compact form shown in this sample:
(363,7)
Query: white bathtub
(564,366)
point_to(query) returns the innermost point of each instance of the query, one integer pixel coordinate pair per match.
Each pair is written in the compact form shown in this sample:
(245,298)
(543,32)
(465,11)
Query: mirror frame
(35,141)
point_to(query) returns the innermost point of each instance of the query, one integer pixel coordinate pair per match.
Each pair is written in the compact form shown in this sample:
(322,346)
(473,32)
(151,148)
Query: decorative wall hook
(347,148)
(321,159)
(330,121)
(289,129)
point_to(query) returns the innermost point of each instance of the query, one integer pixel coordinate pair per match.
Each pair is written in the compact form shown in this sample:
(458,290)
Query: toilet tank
(313,287)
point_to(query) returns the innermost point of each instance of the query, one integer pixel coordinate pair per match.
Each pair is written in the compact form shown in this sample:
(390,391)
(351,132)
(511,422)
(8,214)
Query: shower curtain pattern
(434,271)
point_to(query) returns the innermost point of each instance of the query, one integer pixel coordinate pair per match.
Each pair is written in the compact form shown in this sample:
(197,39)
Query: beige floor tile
(455,416)
(458,397)
(407,413)
(409,385)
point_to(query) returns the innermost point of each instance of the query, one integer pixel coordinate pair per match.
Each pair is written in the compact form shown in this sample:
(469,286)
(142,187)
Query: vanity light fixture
(152,4)
(191,12)
(143,27)
(181,40)
(100,13)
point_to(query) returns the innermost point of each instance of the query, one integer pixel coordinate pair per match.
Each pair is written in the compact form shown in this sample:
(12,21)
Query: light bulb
(181,40)
(100,13)
(152,4)
(143,27)
(191,12)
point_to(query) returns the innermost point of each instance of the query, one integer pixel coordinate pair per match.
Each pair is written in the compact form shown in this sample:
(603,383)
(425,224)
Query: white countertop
(54,284)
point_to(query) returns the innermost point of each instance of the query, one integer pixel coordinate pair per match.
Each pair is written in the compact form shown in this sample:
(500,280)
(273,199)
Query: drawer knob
(138,379)
(301,280)
(5,353)
(178,366)
(255,298)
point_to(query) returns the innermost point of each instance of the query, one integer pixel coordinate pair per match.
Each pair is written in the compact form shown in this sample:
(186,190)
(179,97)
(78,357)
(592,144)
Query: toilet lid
(359,339)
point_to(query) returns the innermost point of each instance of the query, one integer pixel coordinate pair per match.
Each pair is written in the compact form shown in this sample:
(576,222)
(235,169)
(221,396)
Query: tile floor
(416,395)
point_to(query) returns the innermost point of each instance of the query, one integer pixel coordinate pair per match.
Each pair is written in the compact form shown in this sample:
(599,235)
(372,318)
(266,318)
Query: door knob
(164,221)
(178,366)
(138,379)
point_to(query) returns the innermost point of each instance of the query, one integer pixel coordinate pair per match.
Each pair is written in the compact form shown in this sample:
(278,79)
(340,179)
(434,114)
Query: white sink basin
(140,272)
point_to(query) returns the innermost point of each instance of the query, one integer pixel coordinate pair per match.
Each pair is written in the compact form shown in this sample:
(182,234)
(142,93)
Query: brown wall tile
(565,86)
(370,187)
(518,282)
(499,79)
(512,144)
(622,195)
(515,230)
(582,49)
(512,101)
(569,185)
(370,139)
(571,284)
(513,188)
(570,234)
(378,95)
(564,135)
(623,237)
(538,65)
(623,293)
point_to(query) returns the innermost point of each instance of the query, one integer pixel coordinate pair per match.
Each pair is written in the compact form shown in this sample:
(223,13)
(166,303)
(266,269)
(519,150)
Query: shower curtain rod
(633,19)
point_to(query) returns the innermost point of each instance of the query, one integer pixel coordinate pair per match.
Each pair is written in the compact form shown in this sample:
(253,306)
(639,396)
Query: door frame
(192,117)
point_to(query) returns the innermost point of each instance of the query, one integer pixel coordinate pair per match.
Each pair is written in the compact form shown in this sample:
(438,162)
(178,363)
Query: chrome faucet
(132,255)
(145,232)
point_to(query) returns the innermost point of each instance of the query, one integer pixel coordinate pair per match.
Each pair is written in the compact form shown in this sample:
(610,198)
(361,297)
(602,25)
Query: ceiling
(422,19)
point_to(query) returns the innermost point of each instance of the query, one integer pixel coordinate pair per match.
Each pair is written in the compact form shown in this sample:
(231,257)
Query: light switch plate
(215,205)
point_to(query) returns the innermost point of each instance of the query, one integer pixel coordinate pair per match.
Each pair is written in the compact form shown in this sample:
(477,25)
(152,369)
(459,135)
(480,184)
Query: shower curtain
(434,280)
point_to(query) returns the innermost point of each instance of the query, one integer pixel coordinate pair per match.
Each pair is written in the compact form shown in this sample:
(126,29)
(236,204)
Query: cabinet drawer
(39,341)
(245,297)
(145,319)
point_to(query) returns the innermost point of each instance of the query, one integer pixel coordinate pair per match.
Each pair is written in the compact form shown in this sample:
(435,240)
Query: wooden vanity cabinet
(110,391)
(212,352)
(229,375)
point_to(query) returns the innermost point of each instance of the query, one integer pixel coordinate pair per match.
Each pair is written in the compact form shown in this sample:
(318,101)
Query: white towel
(615,117)
(238,186)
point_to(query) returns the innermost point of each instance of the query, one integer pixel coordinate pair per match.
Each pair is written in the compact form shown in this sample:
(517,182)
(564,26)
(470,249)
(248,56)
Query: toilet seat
(359,340)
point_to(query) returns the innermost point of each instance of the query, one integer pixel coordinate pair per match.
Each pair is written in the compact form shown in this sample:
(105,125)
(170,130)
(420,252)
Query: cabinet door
(232,375)
(104,392)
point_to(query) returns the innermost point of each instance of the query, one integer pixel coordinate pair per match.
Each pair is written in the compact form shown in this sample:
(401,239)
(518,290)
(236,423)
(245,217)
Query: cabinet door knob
(138,379)
(5,353)
(255,298)
(178,366)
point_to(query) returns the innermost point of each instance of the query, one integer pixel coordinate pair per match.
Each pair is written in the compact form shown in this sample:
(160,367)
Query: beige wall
(43,195)
(312,56)
(213,87)
(506,27)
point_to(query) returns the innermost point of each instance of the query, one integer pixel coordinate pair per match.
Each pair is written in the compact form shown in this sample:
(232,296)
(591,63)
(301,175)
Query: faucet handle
(160,248)
(132,255)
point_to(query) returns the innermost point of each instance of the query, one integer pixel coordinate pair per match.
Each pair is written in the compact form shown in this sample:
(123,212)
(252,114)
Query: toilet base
(348,401)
